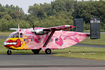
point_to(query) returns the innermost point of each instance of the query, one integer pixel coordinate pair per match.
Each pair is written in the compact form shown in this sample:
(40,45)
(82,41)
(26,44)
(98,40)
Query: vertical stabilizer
(95,28)
(78,23)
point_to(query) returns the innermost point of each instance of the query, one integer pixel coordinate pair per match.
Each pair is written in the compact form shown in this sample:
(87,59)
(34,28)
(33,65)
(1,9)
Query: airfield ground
(26,60)
(93,53)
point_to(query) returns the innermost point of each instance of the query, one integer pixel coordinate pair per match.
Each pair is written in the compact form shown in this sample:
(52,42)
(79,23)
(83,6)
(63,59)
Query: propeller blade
(33,26)
(18,28)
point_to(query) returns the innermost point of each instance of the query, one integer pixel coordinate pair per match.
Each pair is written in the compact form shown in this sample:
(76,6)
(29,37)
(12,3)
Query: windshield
(16,35)
(10,36)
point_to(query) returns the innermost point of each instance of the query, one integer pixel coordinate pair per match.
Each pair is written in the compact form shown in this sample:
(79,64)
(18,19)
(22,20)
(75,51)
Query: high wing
(60,27)
(52,30)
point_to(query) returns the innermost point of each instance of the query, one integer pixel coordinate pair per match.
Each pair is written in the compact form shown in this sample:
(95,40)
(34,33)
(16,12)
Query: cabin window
(32,39)
(21,35)
(39,39)
(25,40)
(56,39)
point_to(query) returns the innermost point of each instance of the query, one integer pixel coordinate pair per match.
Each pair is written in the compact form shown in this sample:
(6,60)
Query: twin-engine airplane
(45,39)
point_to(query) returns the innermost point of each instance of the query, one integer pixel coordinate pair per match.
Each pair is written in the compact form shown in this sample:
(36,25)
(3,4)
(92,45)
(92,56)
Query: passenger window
(32,39)
(39,39)
(25,40)
(56,39)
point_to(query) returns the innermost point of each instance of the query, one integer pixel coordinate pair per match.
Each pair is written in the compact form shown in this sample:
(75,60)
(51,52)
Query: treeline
(11,16)
(58,12)
(91,9)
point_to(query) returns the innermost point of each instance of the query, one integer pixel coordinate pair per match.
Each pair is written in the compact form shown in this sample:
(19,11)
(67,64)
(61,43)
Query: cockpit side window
(16,35)
(21,35)
(10,36)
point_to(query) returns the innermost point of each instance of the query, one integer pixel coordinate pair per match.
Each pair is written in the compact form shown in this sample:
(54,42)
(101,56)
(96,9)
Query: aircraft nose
(9,43)
(5,43)
(16,43)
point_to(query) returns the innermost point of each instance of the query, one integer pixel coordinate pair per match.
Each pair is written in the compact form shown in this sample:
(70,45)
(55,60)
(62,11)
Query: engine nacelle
(39,32)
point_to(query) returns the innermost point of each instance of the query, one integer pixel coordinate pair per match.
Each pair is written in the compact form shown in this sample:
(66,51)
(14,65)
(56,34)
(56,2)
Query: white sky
(24,4)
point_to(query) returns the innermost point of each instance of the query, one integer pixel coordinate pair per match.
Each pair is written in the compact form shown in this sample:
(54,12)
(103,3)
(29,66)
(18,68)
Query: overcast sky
(24,4)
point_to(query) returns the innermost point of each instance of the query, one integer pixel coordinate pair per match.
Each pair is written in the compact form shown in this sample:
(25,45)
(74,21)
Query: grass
(76,49)
(100,41)
(77,52)
(5,33)
(91,56)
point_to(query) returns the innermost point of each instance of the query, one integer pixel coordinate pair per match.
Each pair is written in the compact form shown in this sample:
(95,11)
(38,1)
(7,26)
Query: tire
(9,52)
(48,51)
(36,51)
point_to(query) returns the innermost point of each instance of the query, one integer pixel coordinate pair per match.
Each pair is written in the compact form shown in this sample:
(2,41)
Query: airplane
(45,39)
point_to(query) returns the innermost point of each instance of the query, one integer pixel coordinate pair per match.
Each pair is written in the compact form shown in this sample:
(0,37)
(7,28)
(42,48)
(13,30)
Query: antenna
(33,25)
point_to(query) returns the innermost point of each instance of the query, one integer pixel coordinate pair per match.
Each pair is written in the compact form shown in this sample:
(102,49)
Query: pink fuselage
(59,40)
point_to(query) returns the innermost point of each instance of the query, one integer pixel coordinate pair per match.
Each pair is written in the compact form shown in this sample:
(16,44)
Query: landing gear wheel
(36,51)
(48,51)
(9,52)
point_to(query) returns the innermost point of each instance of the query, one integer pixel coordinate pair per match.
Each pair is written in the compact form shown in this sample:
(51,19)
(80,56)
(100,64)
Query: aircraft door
(20,35)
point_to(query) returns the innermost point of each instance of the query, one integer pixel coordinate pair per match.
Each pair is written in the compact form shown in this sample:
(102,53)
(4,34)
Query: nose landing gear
(9,52)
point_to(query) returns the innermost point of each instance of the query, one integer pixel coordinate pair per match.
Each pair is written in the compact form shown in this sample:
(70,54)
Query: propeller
(17,29)
(33,26)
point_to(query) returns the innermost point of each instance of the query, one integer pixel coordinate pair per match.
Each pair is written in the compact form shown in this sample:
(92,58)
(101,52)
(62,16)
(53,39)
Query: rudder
(95,28)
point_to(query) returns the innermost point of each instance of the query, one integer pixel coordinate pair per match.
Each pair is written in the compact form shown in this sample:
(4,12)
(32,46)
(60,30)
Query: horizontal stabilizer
(14,29)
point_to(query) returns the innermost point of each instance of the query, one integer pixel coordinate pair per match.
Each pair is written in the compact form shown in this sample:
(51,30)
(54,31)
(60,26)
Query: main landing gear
(9,52)
(36,51)
(48,51)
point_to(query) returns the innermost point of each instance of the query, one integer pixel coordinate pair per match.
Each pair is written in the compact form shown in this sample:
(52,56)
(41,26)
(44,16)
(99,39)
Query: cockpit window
(10,36)
(16,35)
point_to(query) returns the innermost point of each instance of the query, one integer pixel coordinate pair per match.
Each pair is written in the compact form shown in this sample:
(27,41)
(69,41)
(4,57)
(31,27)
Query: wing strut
(48,39)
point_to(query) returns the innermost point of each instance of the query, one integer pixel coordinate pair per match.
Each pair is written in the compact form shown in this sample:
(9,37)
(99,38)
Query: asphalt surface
(43,60)
(57,68)
(47,62)
(3,37)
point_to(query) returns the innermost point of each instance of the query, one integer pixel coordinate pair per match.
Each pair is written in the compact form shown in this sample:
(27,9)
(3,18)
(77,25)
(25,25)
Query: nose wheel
(9,52)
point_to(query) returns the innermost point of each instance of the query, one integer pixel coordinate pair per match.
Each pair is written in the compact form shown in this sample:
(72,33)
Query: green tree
(13,15)
(8,17)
